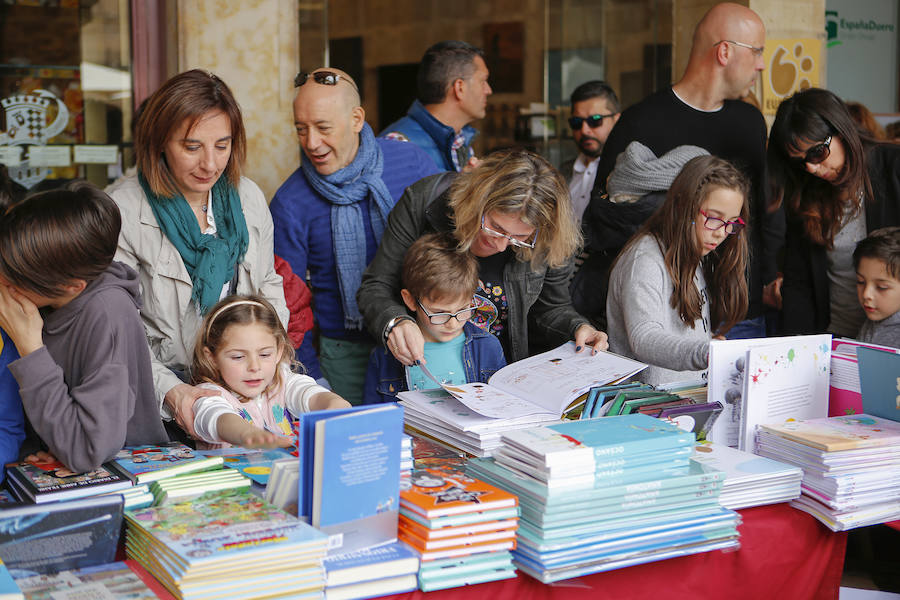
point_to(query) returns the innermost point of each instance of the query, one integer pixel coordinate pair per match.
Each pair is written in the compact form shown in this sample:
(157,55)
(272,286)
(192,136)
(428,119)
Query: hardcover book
(47,538)
(356,477)
(49,481)
(148,463)
(433,493)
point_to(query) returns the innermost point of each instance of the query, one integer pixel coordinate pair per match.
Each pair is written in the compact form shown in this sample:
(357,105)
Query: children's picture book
(148,463)
(545,384)
(436,493)
(113,580)
(8,588)
(186,487)
(789,379)
(36,539)
(387,560)
(47,481)
(879,375)
(832,434)
(253,463)
(356,477)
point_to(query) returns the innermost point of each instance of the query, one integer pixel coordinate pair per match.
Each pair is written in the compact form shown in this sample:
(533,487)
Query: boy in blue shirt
(439,284)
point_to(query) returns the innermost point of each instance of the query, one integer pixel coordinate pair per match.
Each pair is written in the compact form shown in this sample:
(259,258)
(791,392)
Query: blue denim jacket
(482,357)
(421,128)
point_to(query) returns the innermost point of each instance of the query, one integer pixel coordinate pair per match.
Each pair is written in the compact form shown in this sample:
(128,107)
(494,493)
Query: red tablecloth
(785,553)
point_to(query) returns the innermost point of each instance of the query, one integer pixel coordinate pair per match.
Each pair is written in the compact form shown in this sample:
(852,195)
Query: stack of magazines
(851,467)
(601,494)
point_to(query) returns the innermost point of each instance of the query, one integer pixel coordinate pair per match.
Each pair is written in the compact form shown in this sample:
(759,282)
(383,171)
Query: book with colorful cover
(49,481)
(848,432)
(427,533)
(459,551)
(356,477)
(586,442)
(219,527)
(433,493)
(47,538)
(424,545)
(151,462)
(112,580)
(497,514)
(387,560)
(253,463)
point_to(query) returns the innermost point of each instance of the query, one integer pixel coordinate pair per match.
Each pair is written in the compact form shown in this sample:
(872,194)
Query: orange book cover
(422,544)
(437,493)
(450,532)
(456,551)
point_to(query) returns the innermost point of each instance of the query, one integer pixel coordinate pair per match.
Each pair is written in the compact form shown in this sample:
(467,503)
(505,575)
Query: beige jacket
(170,318)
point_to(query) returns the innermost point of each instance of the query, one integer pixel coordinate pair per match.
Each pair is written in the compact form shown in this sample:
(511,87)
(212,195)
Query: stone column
(253,46)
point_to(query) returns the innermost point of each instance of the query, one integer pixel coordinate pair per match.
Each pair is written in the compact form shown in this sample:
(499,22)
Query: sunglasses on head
(322,78)
(816,154)
(593,121)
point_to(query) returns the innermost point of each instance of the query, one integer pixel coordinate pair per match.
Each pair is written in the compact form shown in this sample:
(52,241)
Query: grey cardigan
(542,294)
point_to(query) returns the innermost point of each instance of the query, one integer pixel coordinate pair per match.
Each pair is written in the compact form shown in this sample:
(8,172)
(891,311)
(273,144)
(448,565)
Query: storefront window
(65,89)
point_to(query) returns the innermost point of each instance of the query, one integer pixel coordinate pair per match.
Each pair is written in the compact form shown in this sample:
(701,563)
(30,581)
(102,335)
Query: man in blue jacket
(452,92)
(330,213)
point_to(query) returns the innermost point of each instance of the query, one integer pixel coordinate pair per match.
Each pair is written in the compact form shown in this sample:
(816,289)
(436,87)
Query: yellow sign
(791,65)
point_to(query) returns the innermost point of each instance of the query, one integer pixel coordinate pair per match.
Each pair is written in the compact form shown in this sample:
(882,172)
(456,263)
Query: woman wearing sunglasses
(192,227)
(837,184)
(682,272)
(513,213)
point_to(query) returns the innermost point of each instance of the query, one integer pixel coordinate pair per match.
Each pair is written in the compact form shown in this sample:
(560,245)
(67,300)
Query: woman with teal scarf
(192,227)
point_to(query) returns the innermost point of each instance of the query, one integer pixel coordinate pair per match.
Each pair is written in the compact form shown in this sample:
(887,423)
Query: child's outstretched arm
(216,421)
(302,394)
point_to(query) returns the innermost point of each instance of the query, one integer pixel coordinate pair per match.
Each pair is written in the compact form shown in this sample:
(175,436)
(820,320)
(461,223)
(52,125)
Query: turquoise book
(252,463)
(588,442)
(8,588)
(356,477)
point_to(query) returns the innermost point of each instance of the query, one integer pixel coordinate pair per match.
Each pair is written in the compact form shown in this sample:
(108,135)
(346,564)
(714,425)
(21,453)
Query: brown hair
(54,238)
(808,116)
(672,225)
(237,310)
(884,245)
(186,97)
(434,267)
(865,119)
(522,183)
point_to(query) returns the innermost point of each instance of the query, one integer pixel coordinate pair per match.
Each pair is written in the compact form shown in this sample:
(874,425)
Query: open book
(544,384)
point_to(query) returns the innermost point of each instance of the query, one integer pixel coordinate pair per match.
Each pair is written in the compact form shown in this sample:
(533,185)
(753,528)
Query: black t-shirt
(493,308)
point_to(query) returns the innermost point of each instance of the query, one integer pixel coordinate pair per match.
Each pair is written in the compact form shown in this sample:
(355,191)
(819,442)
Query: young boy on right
(877,263)
(439,284)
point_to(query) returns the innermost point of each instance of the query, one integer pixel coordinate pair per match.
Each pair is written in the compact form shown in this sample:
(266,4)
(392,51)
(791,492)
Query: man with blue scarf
(330,213)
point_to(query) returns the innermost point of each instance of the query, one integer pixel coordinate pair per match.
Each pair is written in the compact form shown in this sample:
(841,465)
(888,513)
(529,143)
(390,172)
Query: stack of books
(378,571)
(601,494)
(406,456)
(463,529)
(40,482)
(148,463)
(281,489)
(851,467)
(182,488)
(750,480)
(229,544)
(253,463)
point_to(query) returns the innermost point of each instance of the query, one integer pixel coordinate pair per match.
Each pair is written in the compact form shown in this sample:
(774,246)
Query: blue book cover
(387,560)
(597,440)
(36,539)
(8,587)
(879,381)
(356,478)
(253,463)
(306,445)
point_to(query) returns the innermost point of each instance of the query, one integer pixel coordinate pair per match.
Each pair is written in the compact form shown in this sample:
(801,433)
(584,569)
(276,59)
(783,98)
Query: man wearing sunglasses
(330,213)
(702,109)
(452,88)
(595,109)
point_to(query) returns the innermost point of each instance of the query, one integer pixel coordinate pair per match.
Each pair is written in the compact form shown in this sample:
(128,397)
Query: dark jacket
(482,357)
(421,128)
(807,303)
(542,294)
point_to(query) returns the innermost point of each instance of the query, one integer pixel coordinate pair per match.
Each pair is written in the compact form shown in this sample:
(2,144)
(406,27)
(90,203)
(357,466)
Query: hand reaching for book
(406,342)
(260,438)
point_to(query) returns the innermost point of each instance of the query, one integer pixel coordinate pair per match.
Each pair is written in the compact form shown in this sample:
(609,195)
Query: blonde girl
(243,353)
(680,280)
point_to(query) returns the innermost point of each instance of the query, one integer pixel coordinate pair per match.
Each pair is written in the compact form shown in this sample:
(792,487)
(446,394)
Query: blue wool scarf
(209,259)
(345,189)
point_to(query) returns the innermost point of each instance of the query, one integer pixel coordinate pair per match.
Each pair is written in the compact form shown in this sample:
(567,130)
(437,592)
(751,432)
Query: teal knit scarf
(209,259)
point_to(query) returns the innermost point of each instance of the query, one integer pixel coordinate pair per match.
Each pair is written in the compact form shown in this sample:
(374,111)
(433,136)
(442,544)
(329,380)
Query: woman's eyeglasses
(593,121)
(442,317)
(322,78)
(817,153)
(528,242)
(714,224)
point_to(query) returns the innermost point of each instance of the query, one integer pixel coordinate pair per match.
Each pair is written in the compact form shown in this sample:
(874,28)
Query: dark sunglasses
(593,121)
(817,153)
(322,78)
